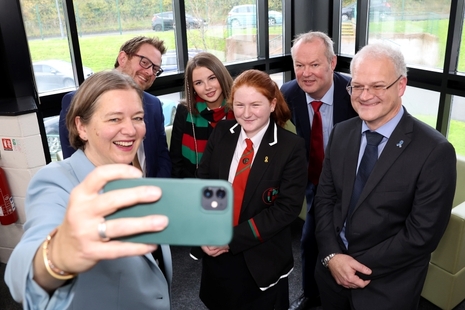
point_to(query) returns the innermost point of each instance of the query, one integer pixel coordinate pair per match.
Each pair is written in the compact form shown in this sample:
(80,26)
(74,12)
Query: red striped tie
(240,179)
(315,161)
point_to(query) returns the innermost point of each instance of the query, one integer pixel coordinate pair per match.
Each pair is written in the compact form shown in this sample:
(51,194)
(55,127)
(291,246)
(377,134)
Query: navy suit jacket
(272,199)
(297,102)
(400,216)
(157,157)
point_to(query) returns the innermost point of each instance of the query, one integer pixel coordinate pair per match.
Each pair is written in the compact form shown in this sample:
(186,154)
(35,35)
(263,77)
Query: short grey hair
(381,50)
(312,36)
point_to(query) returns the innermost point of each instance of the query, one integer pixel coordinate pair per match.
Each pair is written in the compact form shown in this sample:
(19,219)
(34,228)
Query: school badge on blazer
(269,195)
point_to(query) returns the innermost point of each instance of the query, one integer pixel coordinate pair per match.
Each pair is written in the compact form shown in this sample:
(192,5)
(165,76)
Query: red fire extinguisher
(8,212)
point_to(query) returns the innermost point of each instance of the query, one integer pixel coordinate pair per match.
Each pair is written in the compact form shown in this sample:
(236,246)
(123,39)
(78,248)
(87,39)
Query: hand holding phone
(199,211)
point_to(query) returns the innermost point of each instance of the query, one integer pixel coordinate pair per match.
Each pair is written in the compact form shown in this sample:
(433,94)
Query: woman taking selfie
(207,85)
(264,162)
(67,258)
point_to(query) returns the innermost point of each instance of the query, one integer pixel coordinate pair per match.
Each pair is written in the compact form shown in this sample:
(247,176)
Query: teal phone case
(197,211)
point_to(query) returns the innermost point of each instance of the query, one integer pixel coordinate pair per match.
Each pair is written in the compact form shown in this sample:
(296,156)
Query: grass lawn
(456,132)
(99,51)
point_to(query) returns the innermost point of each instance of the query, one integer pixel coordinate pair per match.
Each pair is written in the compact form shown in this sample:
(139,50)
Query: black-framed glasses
(374,90)
(146,63)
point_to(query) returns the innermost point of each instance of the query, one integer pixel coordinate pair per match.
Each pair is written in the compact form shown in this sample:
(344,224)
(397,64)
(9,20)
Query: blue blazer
(157,157)
(297,102)
(134,282)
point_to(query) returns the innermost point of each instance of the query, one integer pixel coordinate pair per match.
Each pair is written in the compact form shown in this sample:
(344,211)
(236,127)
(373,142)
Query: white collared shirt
(240,147)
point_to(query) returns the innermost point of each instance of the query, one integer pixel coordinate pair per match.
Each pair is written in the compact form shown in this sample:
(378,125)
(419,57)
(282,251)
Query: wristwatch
(325,261)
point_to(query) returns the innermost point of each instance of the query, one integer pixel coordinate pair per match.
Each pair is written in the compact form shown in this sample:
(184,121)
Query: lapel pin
(266,159)
(399,144)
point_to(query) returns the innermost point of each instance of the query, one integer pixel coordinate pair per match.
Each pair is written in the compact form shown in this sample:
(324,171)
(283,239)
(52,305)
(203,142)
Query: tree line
(46,17)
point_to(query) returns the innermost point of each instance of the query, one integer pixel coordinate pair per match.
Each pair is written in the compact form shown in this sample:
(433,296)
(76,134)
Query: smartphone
(200,211)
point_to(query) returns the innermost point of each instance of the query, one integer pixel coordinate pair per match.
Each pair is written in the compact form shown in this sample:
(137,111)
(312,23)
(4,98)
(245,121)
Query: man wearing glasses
(385,193)
(140,58)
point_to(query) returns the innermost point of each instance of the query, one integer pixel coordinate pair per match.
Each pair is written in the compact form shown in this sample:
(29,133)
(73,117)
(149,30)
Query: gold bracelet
(51,268)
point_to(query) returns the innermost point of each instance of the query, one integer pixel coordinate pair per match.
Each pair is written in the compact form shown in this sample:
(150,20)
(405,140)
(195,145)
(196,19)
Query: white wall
(19,163)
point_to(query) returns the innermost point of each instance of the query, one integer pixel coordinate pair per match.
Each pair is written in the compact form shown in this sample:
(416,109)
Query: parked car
(55,74)
(194,22)
(162,21)
(165,21)
(348,12)
(381,7)
(246,15)
(169,61)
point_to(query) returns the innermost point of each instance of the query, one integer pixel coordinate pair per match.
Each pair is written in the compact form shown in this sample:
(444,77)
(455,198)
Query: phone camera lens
(220,193)
(208,193)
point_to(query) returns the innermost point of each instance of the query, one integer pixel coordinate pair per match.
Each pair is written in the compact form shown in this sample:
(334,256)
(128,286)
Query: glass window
(419,30)
(229,31)
(457,125)
(222,29)
(169,103)
(53,137)
(348,17)
(278,78)
(425,109)
(48,46)
(108,18)
(276,28)
(379,9)
(461,60)
(100,26)
(104,25)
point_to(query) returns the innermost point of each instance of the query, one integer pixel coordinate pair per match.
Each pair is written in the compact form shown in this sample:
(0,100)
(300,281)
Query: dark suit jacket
(277,166)
(297,102)
(157,158)
(401,215)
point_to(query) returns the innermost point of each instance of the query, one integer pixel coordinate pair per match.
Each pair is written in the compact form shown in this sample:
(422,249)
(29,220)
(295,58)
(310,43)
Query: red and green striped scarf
(204,123)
